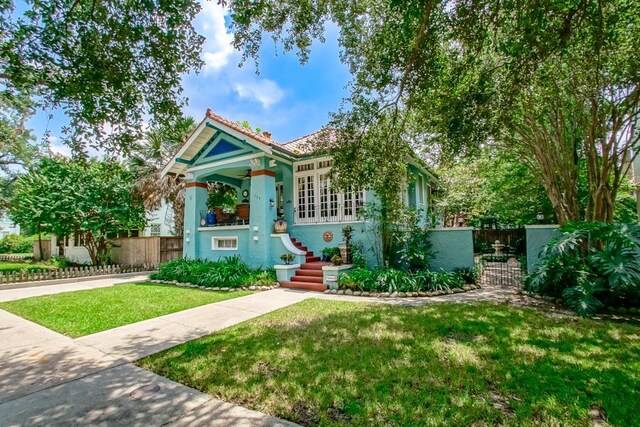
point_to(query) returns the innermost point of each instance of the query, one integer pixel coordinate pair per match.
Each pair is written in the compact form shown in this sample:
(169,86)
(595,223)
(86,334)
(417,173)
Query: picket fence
(18,258)
(36,275)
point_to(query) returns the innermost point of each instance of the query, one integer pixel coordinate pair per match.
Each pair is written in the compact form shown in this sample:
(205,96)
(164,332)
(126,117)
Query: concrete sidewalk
(70,286)
(50,379)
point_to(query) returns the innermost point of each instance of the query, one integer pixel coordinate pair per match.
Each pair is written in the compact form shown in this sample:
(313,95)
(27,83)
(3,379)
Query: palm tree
(147,161)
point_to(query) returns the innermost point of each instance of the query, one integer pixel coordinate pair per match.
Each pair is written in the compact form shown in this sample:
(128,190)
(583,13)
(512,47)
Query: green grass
(86,312)
(10,266)
(339,363)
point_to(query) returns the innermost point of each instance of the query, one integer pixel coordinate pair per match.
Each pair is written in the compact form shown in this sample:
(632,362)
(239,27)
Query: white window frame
(329,207)
(153,228)
(215,243)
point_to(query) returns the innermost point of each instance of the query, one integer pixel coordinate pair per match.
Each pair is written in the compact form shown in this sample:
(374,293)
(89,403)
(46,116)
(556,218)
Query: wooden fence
(38,274)
(146,250)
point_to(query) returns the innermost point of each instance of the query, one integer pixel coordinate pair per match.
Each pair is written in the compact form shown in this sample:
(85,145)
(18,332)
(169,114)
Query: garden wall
(537,238)
(453,248)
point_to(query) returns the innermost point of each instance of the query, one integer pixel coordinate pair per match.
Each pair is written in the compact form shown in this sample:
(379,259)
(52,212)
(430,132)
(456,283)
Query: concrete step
(314,265)
(318,287)
(306,279)
(312,273)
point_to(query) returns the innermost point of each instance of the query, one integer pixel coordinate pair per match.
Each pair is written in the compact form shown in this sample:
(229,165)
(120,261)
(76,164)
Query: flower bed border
(217,288)
(421,294)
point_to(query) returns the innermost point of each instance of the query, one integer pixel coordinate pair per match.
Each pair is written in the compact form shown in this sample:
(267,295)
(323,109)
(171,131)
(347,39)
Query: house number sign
(327,236)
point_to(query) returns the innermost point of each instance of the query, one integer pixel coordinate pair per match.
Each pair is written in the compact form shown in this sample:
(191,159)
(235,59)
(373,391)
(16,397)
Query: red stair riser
(306,279)
(305,272)
(307,286)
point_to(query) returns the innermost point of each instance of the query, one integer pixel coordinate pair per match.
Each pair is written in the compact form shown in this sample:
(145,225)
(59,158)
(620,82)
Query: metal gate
(500,256)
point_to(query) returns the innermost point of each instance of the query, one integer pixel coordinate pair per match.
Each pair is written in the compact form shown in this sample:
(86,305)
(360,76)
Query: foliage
(337,260)
(263,278)
(287,258)
(358,259)
(93,199)
(149,157)
(86,312)
(111,66)
(590,264)
(330,252)
(17,244)
(492,186)
(554,82)
(230,272)
(399,240)
(394,280)
(221,196)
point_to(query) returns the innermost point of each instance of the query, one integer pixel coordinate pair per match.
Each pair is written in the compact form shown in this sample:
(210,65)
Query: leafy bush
(394,280)
(16,244)
(263,278)
(590,265)
(468,275)
(358,259)
(230,272)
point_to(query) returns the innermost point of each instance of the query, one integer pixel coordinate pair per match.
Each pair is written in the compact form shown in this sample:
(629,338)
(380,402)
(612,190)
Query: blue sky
(286,98)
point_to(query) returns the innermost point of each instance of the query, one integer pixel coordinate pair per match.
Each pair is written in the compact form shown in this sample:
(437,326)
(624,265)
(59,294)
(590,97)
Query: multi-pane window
(224,243)
(154,230)
(317,201)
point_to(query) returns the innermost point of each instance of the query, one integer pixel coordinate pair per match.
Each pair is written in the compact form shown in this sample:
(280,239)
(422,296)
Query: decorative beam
(196,184)
(263,172)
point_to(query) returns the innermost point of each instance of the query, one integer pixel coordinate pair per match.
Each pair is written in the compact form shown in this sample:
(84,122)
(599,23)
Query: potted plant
(336,260)
(280,225)
(345,250)
(287,258)
(329,252)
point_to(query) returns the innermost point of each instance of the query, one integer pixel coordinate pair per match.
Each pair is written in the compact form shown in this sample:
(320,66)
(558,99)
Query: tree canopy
(93,200)
(109,65)
(554,82)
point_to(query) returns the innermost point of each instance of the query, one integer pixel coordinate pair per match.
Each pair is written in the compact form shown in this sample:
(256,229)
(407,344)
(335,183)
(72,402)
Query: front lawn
(86,312)
(326,362)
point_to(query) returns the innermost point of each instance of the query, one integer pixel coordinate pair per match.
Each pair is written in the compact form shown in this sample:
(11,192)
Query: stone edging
(216,288)
(349,292)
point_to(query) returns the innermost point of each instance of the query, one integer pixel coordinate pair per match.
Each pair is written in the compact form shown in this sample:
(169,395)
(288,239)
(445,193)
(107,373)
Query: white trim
(224,228)
(286,266)
(452,229)
(216,239)
(196,133)
(306,224)
(225,162)
(288,244)
(542,226)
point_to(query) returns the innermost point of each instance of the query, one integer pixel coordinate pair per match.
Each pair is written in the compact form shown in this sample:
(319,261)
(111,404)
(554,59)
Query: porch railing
(322,215)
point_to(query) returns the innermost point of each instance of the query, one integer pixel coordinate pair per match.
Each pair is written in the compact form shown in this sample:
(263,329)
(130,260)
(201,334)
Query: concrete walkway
(73,285)
(49,379)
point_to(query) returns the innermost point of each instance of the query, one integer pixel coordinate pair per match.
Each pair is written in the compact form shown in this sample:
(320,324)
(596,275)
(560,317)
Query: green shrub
(263,278)
(16,244)
(590,265)
(394,280)
(231,272)
(468,275)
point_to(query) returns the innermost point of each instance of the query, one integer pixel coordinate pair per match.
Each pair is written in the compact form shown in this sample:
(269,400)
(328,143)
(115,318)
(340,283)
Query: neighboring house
(272,180)
(7,226)
(159,222)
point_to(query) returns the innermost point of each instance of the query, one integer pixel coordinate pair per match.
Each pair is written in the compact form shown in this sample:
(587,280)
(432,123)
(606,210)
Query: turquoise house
(272,180)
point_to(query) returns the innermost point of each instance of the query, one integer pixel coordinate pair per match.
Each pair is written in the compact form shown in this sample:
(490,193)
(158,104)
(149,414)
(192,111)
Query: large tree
(556,82)
(109,65)
(150,155)
(93,199)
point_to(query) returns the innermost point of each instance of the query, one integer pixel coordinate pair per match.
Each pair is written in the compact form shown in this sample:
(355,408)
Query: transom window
(317,201)
(224,243)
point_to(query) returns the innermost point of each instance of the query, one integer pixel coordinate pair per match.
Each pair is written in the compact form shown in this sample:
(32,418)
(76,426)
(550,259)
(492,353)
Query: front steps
(309,276)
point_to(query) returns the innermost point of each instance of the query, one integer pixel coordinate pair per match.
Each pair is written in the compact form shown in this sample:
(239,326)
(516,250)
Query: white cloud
(217,49)
(265,91)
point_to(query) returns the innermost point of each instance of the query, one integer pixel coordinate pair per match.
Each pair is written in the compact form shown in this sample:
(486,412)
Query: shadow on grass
(323,362)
